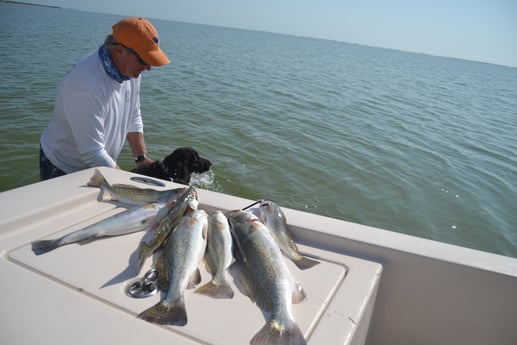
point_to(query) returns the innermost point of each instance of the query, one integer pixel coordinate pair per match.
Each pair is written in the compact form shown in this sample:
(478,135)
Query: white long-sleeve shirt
(92,116)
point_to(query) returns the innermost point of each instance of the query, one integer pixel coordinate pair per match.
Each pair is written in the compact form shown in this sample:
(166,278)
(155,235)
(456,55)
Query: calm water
(411,143)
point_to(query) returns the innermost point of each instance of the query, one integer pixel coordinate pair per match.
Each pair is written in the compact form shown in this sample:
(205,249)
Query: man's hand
(144,163)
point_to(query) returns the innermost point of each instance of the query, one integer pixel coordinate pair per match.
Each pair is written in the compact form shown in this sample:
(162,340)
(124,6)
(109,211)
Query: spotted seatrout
(132,195)
(126,222)
(183,253)
(265,278)
(185,203)
(218,257)
(273,217)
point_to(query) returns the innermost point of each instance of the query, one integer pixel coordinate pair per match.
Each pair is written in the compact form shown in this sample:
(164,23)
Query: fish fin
(142,255)
(44,246)
(161,267)
(215,290)
(276,333)
(194,279)
(237,251)
(299,294)
(244,283)
(128,186)
(97,179)
(175,314)
(304,262)
(157,219)
(209,265)
(235,272)
(87,240)
(148,222)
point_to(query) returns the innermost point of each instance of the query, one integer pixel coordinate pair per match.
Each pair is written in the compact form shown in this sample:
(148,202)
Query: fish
(266,279)
(272,216)
(218,257)
(184,251)
(186,202)
(126,222)
(131,195)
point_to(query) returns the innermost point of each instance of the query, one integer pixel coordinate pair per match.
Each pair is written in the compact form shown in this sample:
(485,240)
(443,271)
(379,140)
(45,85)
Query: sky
(479,30)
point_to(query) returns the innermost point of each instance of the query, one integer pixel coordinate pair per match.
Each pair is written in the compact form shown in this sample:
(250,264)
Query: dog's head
(184,161)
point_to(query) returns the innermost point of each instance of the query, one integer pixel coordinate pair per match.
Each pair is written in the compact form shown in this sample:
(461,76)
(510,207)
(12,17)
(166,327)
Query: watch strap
(140,158)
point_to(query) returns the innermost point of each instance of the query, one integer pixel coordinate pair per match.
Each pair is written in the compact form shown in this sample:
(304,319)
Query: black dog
(177,166)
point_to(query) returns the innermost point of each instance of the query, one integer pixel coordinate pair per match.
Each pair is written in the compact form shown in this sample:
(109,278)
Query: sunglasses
(132,51)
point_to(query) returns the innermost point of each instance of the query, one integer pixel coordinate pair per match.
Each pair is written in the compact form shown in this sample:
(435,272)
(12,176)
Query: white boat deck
(76,293)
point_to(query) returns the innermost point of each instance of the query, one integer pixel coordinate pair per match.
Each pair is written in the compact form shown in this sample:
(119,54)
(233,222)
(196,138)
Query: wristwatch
(140,158)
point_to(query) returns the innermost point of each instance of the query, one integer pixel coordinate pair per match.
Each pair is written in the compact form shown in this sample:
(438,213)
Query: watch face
(140,158)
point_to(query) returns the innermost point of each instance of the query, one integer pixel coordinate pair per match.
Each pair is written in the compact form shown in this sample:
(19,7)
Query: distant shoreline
(27,3)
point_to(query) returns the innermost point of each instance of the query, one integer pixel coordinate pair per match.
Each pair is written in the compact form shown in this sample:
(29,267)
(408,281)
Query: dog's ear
(192,155)
(181,174)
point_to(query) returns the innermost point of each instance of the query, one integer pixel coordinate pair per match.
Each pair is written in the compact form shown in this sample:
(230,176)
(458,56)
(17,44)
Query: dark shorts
(47,170)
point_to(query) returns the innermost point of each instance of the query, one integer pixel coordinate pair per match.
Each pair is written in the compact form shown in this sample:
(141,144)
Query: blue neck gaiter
(109,66)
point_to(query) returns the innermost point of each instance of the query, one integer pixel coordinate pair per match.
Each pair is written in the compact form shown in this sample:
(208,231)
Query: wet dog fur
(178,166)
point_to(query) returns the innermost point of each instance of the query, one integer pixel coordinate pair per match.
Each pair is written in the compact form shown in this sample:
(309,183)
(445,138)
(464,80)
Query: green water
(410,143)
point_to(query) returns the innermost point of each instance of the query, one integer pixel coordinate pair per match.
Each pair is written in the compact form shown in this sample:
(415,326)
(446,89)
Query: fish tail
(194,279)
(304,262)
(166,314)
(212,289)
(299,294)
(277,333)
(97,179)
(44,246)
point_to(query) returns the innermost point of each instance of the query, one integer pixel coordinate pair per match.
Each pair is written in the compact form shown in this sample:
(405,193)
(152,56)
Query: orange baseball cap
(141,36)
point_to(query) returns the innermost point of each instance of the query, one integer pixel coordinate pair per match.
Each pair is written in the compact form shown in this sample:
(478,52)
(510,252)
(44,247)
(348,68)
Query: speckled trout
(126,222)
(186,202)
(272,216)
(183,253)
(265,278)
(218,257)
(131,195)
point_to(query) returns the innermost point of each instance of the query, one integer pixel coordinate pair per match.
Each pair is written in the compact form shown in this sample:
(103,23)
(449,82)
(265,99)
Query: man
(97,107)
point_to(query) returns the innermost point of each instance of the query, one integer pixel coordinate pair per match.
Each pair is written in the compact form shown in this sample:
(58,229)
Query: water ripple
(411,143)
